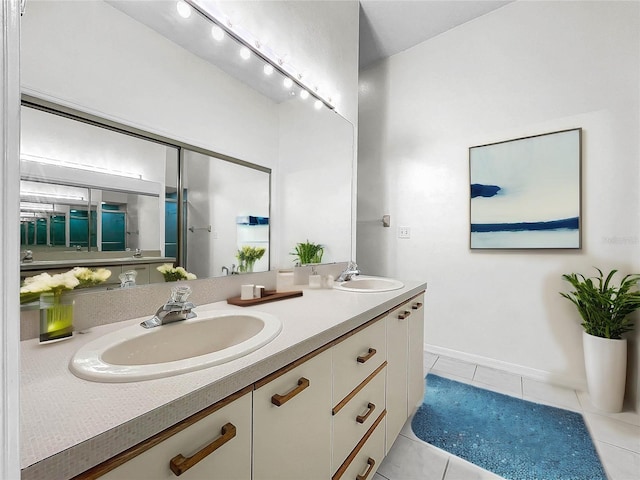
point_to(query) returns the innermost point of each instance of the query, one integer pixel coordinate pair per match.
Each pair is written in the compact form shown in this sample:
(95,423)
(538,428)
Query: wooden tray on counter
(269,296)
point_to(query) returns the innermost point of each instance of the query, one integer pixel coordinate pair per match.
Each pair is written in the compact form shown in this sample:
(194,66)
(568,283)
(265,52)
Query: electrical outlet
(404,232)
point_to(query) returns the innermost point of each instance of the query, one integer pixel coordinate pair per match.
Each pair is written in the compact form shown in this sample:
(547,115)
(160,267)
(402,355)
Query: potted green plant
(308,252)
(247,256)
(605,309)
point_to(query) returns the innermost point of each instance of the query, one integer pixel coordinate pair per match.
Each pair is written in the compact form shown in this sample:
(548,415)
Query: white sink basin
(369,284)
(135,353)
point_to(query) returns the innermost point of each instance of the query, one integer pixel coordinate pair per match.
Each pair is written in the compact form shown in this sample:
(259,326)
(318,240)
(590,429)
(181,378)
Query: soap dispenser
(315,280)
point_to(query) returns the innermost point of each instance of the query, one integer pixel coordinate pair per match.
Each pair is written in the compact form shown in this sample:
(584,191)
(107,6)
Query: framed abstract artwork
(525,193)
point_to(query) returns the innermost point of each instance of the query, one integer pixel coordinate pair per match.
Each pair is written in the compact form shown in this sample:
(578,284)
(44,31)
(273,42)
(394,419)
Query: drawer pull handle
(364,358)
(417,306)
(370,463)
(179,464)
(279,400)
(404,314)
(363,418)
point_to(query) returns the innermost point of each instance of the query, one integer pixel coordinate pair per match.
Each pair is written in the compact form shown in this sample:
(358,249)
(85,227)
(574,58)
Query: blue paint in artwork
(566,224)
(479,190)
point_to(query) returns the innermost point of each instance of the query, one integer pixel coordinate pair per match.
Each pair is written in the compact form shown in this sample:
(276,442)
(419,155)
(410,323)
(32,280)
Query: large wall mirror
(92,195)
(140,65)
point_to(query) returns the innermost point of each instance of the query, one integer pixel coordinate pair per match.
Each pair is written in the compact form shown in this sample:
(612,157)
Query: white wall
(527,68)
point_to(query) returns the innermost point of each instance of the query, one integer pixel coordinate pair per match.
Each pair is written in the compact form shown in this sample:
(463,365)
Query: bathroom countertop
(69,425)
(90,262)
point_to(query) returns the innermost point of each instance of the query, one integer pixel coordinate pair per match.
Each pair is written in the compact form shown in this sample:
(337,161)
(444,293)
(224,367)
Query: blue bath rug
(513,438)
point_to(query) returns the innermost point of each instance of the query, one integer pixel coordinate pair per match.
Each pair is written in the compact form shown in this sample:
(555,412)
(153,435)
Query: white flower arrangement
(77,277)
(173,274)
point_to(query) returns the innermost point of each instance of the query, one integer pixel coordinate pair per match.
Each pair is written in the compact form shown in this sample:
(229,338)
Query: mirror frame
(100,122)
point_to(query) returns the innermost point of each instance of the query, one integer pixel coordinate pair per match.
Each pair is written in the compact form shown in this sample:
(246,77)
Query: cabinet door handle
(179,464)
(404,314)
(364,358)
(279,400)
(417,306)
(363,418)
(370,463)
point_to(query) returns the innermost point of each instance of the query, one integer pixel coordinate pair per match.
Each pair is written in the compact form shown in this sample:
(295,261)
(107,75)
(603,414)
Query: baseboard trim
(532,373)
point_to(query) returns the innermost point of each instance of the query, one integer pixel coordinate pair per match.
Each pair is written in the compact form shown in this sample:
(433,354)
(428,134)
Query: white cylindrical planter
(605,362)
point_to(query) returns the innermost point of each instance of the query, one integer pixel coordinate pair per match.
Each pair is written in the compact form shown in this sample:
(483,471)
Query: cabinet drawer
(355,418)
(364,460)
(356,357)
(229,461)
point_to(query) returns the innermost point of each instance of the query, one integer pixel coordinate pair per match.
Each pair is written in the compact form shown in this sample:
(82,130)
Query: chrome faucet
(175,310)
(137,253)
(231,271)
(349,272)
(27,257)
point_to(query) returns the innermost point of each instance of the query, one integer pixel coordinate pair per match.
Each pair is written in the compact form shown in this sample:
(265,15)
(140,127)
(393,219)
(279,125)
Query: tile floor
(616,436)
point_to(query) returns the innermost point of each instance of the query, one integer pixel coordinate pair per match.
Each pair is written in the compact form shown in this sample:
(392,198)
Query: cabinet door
(416,354)
(219,444)
(292,423)
(154,275)
(397,358)
(142,270)
(115,270)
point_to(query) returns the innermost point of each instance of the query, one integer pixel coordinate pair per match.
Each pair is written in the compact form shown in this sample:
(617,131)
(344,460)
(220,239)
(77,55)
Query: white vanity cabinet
(405,374)
(292,421)
(214,444)
(331,414)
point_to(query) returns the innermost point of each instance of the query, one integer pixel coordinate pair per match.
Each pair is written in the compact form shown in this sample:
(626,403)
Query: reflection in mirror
(227,209)
(124,212)
(141,77)
(91,196)
(52,215)
(123,207)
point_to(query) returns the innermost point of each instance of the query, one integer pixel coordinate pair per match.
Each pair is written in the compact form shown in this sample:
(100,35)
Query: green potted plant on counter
(248,256)
(308,252)
(605,309)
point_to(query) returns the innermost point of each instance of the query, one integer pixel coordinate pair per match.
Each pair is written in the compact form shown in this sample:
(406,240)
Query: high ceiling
(391,26)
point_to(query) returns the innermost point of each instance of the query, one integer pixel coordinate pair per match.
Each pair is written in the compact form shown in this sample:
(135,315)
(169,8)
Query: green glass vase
(56,317)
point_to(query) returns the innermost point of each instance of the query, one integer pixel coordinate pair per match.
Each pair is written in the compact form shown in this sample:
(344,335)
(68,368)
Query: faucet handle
(351,266)
(180,293)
